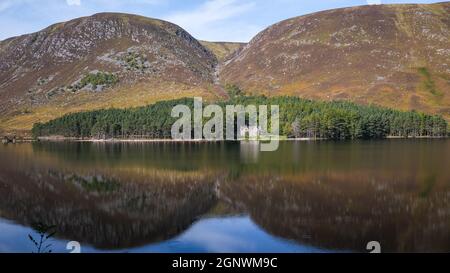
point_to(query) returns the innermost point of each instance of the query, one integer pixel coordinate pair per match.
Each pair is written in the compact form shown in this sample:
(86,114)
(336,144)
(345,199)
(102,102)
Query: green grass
(233,90)
(428,82)
(95,79)
(135,61)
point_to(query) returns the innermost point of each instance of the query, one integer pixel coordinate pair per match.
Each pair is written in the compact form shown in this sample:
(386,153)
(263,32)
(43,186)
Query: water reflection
(249,151)
(175,197)
(233,234)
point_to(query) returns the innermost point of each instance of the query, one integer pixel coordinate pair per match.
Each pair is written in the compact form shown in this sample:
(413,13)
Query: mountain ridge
(149,58)
(396,56)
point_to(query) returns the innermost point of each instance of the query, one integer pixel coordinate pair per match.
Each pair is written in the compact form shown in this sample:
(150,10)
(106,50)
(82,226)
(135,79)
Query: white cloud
(73,2)
(208,19)
(230,32)
(374,2)
(210,11)
(6,4)
(151,2)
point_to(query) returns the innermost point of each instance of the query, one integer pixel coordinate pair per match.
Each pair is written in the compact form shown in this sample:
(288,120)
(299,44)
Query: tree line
(298,118)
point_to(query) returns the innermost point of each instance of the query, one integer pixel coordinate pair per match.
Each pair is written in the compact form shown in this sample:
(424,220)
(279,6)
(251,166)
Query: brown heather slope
(392,55)
(223,50)
(152,60)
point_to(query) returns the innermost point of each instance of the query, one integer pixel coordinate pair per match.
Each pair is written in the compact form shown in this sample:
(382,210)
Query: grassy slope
(140,94)
(137,95)
(222,50)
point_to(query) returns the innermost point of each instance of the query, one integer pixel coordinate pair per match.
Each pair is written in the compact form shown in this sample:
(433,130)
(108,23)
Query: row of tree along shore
(299,118)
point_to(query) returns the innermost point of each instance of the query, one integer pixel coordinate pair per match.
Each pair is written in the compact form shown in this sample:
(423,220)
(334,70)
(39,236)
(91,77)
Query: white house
(251,131)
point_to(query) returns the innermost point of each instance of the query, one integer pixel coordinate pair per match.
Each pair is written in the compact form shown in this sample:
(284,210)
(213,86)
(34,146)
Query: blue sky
(214,20)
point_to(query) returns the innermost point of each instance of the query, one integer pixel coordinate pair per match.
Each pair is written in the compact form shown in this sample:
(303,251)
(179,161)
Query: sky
(211,20)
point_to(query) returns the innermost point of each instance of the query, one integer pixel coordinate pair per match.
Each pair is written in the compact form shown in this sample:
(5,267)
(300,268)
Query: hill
(396,56)
(391,55)
(105,60)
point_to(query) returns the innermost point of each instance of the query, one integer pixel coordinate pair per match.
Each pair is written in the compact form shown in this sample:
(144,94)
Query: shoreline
(149,140)
(167,140)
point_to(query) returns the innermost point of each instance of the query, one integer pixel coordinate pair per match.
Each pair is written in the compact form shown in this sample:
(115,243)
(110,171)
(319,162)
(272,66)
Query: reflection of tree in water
(105,212)
(342,211)
(41,240)
(139,202)
(332,211)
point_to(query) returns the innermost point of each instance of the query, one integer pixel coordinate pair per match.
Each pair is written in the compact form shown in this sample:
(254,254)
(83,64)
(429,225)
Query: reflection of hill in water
(102,211)
(129,198)
(340,211)
(138,155)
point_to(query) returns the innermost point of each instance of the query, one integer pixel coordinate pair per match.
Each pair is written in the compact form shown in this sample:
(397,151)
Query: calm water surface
(228,197)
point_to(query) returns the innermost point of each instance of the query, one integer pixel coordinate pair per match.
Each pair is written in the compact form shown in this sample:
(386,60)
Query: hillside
(223,50)
(105,60)
(396,56)
(392,55)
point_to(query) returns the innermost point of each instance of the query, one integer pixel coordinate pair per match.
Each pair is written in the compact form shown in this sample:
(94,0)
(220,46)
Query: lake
(320,196)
